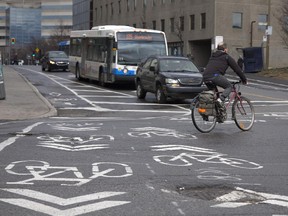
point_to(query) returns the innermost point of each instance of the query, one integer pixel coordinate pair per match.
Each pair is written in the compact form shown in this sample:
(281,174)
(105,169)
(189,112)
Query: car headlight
(171,81)
(52,62)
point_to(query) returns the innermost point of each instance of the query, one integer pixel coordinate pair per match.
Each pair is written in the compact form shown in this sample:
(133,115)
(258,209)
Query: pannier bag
(206,103)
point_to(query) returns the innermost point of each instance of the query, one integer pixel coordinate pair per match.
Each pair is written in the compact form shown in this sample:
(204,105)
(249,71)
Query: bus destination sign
(140,36)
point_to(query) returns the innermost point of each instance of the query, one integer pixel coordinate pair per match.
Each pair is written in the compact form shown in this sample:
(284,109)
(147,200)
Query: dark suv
(55,60)
(168,77)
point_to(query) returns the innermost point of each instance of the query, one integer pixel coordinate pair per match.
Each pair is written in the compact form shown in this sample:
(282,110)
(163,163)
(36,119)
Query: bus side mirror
(115,45)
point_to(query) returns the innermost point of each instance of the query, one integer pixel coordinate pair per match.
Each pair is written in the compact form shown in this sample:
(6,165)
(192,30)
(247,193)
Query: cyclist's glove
(244,82)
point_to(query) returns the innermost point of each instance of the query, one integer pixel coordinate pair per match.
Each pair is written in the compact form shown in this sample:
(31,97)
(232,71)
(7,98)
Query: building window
(119,6)
(262,22)
(237,20)
(172,24)
(144,25)
(154,3)
(162,25)
(203,21)
(112,9)
(144,3)
(128,5)
(154,24)
(181,21)
(135,4)
(101,12)
(192,22)
(96,13)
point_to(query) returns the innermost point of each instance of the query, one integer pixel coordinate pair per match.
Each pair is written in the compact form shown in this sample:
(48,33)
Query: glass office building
(29,21)
(25,25)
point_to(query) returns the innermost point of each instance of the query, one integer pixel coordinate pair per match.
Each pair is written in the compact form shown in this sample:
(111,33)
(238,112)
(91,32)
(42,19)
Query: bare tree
(61,33)
(179,30)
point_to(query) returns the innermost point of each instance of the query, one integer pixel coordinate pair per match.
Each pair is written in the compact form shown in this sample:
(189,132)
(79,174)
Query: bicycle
(243,112)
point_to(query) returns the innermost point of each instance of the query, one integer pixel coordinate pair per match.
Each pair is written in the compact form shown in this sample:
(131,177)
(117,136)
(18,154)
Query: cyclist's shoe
(205,118)
(221,105)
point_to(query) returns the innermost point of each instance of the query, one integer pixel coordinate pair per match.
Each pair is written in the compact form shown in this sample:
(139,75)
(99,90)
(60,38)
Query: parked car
(55,60)
(168,77)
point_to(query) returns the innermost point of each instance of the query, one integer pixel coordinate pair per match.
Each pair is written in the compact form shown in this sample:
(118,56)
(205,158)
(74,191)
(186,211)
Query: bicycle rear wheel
(203,123)
(243,113)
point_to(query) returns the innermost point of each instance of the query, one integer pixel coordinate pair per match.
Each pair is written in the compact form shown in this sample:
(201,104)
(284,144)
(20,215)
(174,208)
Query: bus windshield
(132,52)
(135,46)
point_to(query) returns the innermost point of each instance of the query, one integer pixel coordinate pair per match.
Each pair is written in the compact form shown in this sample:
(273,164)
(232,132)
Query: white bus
(111,53)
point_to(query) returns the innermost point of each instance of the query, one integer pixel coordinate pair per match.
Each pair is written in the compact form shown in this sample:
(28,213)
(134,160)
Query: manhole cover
(220,193)
(204,192)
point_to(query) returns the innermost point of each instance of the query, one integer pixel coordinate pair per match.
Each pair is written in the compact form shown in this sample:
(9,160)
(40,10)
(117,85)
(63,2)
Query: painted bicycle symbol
(200,155)
(148,132)
(76,126)
(76,143)
(43,171)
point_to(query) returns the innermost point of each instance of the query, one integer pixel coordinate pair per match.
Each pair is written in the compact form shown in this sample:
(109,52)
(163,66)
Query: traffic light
(13,40)
(33,54)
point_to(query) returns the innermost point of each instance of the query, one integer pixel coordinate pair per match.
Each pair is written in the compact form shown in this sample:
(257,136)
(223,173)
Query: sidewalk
(23,101)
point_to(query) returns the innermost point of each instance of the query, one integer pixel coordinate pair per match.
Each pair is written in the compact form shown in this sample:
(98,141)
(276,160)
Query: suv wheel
(141,93)
(48,68)
(160,96)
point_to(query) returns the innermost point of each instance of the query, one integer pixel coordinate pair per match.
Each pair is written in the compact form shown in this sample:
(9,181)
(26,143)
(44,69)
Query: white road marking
(230,200)
(61,201)
(11,140)
(79,210)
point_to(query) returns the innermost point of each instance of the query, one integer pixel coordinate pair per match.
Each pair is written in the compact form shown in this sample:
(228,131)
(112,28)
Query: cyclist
(216,69)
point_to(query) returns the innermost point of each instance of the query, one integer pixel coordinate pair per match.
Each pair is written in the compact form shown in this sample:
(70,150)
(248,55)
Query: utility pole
(268,36)
(251,33)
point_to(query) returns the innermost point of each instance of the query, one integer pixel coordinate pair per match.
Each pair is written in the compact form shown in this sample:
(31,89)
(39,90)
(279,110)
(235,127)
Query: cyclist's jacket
(219,63)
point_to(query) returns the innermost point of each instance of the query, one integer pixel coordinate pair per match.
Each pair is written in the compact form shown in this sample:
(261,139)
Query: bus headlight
(125,70)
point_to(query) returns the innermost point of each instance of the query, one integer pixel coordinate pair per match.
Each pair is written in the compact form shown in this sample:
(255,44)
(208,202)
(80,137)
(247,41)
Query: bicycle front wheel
(243,113)
(203,123)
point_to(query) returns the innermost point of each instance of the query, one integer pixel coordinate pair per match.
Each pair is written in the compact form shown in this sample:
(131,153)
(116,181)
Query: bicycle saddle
(210,85)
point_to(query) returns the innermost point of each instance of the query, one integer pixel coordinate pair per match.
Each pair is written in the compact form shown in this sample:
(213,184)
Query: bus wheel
(101,80)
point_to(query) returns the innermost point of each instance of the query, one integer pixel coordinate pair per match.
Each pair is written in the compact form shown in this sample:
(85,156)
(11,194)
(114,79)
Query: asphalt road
(108,153)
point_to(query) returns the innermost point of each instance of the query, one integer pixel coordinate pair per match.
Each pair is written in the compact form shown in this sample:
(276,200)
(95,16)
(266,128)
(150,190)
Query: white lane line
(106,96)
(11,140)
(126,110)
(284,101)
(230,205)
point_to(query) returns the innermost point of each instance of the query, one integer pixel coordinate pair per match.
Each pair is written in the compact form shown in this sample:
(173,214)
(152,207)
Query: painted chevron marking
(61,201)
(44,208)
(71,212)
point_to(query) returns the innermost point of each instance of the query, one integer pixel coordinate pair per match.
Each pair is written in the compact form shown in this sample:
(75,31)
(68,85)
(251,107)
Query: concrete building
(82,14)
(31,20)
(193,27)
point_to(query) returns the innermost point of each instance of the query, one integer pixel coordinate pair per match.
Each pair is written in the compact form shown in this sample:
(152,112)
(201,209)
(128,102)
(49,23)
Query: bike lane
(79,167)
